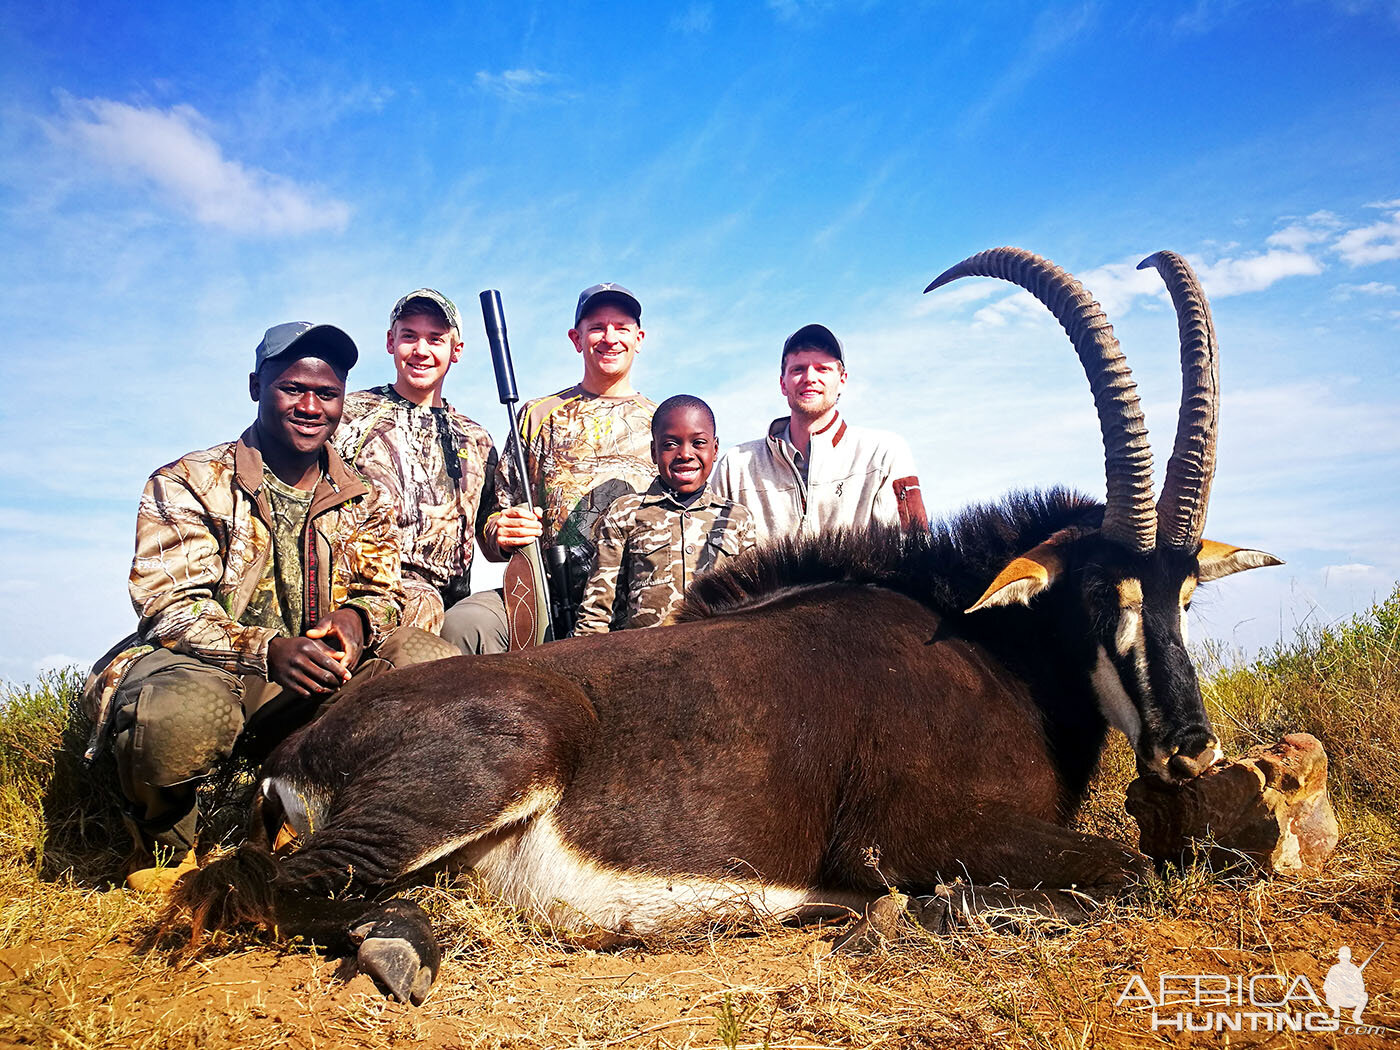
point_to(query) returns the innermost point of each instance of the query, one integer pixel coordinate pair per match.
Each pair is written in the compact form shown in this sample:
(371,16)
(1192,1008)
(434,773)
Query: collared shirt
(854,477)
(650,546)
(798,459)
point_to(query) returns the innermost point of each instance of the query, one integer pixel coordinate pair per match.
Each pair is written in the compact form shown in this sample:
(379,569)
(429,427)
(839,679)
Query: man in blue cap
(813,472)
(266,575)
(584,447)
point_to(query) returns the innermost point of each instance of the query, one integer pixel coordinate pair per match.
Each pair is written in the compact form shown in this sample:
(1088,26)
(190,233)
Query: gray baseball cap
(432,295)
(814,337)
(596,295)
(322,340)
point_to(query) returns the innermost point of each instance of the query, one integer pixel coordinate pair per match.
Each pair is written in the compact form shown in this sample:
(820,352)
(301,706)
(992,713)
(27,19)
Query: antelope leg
(397,948)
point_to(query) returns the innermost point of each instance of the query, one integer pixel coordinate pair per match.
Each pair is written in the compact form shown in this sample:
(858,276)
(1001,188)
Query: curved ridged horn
(1129,519)
(1181,512)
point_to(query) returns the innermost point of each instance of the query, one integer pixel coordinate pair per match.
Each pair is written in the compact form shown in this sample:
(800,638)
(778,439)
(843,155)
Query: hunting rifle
(549,600)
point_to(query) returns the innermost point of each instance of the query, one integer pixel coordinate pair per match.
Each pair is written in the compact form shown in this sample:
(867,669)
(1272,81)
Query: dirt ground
(74,973)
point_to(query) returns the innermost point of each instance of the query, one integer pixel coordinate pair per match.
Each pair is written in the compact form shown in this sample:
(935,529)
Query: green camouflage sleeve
(596,610)
(373,582)
(489,503)
(174,576)
(374,460)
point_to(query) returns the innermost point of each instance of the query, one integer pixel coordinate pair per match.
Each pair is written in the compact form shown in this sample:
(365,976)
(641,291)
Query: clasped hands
(321,660)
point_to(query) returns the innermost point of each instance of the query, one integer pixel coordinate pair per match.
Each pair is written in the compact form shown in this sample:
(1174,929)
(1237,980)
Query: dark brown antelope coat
(938,702)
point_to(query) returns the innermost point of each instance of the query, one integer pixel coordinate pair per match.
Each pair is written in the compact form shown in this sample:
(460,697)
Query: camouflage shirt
(650,546)
(582,452)
(439,469)
(277,603)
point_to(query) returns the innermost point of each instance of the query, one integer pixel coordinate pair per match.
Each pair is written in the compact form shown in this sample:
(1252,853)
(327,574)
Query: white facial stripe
(1188,588)
(1113,699)
(1129,636)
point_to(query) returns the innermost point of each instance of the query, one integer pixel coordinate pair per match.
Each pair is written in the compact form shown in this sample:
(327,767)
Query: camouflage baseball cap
(323,340)
(597,294)
(432,295)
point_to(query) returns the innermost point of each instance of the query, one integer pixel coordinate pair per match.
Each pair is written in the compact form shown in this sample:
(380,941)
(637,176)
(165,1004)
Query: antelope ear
(1220,559)
(1028,575)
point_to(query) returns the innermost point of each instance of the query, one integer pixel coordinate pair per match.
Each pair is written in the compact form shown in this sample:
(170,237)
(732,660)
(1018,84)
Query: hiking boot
(161,878)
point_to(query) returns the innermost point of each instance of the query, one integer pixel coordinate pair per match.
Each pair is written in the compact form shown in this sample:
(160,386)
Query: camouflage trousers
(178,717)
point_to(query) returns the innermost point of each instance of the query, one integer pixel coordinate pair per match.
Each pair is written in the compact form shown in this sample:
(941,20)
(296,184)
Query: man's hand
(321,661)
(517,526)
(344,631)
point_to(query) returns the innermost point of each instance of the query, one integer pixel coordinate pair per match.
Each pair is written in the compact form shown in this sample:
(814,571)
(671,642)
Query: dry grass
(71,974)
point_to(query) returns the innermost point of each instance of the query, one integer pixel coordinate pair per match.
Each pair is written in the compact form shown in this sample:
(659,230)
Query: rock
(1268,809)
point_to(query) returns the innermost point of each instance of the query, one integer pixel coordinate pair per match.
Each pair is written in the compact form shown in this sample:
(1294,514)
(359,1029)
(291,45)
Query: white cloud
(174,151)
(1299,234)
(1117,285)
(1120,286)
(695,19)
(519,84)
(1353,569)
(1346,291)
(1377,242)
(1254,273)
(792,10)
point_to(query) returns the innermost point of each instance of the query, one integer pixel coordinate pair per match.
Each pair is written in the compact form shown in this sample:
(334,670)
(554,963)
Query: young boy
(652,544)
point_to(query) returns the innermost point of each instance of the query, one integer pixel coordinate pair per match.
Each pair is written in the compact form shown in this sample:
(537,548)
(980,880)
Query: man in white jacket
(815,472)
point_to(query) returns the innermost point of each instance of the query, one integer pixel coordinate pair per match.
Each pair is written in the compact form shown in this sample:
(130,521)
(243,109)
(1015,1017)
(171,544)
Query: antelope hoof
(397,949)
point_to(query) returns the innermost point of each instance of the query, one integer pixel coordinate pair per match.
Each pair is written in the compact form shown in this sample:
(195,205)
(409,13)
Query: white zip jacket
(855,476)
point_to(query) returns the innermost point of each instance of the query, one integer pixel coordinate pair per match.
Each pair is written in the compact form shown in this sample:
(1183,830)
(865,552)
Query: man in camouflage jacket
(266,575)
(584,447)
(436,466)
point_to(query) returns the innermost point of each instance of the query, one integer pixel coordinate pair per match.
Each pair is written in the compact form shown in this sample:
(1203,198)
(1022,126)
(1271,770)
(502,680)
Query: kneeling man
(266,576)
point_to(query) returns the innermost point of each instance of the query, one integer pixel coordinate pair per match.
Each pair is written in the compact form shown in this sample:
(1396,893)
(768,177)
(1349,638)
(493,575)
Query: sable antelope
(943,698)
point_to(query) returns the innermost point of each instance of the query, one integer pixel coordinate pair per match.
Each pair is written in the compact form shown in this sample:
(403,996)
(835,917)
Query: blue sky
(173,182)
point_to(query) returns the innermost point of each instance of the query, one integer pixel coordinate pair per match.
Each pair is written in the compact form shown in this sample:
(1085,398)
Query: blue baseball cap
(814,337)
(320,340)
(596,295)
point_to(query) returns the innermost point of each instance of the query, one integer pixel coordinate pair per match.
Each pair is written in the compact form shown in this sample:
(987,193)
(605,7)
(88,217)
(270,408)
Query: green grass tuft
(1341,683)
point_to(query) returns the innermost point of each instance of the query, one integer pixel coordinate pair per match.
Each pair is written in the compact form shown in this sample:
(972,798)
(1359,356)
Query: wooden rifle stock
(493,315)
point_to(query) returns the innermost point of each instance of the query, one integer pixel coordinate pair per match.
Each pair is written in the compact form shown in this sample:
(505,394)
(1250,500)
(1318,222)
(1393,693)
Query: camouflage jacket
(439,469)
(582,452)
(202,540)
(649,549)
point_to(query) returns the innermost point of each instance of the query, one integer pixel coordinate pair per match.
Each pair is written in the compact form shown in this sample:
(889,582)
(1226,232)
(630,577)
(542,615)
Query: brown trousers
(178,717)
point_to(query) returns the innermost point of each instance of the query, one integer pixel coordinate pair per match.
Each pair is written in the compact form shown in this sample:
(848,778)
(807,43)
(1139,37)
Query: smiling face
(424,346)
(299,406)
(608,338)
(683,449)
(812,381)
